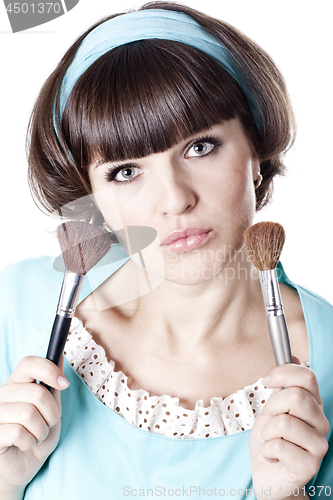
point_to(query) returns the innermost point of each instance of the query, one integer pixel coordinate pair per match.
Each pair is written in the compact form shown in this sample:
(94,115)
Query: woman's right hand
(30,421)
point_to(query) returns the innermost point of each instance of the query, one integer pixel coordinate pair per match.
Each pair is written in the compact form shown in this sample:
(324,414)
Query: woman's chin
(193,274)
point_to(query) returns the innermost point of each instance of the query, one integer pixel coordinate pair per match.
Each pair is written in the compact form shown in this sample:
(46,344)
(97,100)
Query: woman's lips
(188,239)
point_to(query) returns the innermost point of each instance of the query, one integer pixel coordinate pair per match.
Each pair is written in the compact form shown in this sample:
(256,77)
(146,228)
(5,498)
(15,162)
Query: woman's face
(203,185)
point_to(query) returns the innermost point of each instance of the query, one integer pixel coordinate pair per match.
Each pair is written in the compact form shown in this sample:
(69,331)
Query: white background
(296,33)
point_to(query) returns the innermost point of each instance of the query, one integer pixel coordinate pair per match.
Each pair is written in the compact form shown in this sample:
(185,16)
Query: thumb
(61,364)
(296,360)
(56,392)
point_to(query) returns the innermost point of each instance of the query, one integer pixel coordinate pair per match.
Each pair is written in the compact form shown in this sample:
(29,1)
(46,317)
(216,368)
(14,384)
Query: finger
(297,432)
(294,458)
(299,403)
(32,368)
(293,375)
(16,435)
(27,416)
(33,394)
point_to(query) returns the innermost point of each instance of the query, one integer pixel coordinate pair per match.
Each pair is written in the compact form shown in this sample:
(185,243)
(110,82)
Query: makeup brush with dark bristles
(83,246)
(263,243)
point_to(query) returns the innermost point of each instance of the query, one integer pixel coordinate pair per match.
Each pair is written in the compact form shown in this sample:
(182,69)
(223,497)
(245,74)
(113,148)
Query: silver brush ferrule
(271,292)
(277,325)
(69,295)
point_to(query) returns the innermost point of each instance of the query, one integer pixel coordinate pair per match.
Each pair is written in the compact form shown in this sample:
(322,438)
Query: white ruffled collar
(160,414)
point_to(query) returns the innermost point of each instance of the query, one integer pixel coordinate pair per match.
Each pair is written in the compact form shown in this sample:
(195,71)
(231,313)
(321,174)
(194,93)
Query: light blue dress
(102,456)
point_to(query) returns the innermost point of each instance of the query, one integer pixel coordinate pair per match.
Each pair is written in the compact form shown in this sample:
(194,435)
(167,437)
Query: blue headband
(148,24)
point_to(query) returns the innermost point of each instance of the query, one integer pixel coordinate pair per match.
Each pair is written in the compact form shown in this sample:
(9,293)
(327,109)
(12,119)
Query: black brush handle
(69,295)
(57,342)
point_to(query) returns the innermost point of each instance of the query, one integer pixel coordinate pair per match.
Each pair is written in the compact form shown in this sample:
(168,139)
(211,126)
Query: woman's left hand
(288,439)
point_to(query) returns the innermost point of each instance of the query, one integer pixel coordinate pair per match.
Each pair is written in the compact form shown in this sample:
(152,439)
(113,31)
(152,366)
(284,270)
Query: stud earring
(107,227)
(258,181)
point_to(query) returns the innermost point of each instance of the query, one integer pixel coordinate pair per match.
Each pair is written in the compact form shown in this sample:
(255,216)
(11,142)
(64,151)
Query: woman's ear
(258,180)
(256,170)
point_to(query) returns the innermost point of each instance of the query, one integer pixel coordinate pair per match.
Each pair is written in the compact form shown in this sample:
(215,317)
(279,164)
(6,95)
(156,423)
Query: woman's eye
(125,174)
(122,174)
(203,147)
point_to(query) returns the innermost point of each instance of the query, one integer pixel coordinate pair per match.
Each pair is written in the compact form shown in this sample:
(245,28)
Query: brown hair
(143,98)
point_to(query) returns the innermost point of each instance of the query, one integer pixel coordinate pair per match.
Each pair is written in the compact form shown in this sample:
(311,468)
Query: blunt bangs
(145,97)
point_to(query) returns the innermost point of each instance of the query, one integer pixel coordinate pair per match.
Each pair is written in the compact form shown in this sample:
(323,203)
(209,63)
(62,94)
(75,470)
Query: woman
(151,121)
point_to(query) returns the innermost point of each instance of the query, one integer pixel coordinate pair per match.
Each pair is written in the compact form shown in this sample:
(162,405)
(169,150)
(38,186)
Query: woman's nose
(174,192)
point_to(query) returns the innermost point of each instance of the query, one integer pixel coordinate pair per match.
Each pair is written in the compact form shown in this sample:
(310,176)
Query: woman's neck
(187,315)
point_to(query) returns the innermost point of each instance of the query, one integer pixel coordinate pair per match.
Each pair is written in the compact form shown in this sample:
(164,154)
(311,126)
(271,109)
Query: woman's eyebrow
(101,163)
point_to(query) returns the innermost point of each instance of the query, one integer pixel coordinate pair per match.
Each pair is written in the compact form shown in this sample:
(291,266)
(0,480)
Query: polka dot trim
(160,414)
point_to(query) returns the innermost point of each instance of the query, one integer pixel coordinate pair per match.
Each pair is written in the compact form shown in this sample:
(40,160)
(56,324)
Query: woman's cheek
(243,192)
(107,202)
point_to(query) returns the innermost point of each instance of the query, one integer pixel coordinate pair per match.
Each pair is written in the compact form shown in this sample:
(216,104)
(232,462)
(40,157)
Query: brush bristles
(83,245)
(263,244)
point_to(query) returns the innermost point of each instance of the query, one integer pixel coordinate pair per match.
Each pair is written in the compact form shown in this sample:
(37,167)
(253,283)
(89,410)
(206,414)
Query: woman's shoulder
(29,270)
(29,294)
(42,276)
(318,317)
(29,291)
(318,312)
(27,283)
(312,303)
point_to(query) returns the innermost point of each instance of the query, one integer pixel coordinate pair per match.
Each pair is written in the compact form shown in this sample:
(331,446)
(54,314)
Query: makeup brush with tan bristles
(263,244)
(83,246)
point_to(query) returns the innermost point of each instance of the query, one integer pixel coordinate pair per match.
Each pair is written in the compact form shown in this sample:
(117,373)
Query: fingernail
(265,381)
(63,382)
